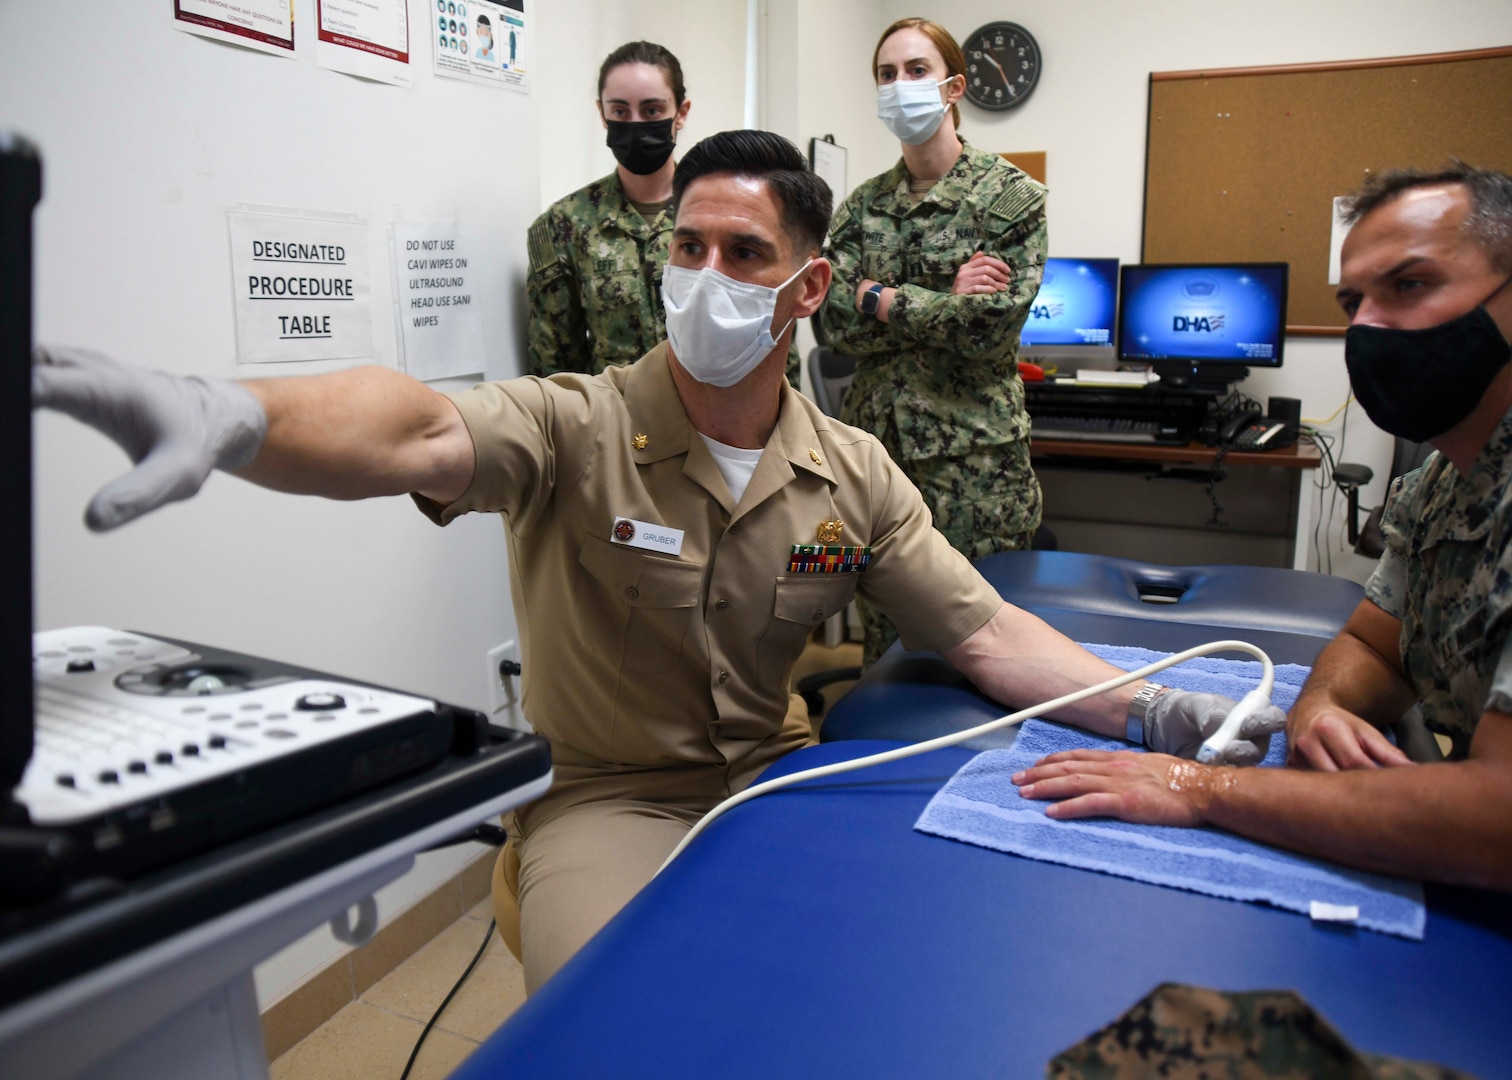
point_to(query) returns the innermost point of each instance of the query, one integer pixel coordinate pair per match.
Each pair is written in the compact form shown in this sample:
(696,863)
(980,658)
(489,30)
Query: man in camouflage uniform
(938,382)
(594,284)
(1427,283)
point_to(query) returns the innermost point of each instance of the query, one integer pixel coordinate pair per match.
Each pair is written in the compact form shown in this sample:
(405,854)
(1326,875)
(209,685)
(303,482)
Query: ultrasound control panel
(122,719)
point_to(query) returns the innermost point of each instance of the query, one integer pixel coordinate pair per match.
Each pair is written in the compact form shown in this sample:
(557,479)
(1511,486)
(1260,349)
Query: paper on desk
(1091,377)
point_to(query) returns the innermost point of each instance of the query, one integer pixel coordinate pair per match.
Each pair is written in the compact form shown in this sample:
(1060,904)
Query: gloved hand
(1178,722)
(175,429)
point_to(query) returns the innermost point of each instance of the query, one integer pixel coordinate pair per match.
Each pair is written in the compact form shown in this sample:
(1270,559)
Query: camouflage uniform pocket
(605,292)
(940,258)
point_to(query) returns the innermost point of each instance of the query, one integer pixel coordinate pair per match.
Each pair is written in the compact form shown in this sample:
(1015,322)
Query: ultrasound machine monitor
(1202,323)
(1071,321)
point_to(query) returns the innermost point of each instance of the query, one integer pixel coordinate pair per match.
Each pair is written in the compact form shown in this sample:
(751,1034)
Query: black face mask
(1417,384)
(641,146)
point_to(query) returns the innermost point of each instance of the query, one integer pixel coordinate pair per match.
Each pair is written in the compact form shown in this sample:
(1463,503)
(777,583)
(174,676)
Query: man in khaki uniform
(677,527)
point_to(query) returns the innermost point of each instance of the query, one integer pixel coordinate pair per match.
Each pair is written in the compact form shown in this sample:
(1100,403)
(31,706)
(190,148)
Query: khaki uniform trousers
(579,853)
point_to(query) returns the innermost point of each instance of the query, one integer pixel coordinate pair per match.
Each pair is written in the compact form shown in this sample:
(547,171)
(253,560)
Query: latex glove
(175,429)
(1178,722)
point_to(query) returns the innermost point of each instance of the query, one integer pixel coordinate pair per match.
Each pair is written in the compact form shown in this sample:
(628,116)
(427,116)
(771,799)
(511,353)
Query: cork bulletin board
(1243,164)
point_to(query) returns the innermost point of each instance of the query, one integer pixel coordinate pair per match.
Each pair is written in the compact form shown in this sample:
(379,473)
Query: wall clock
(1002,66)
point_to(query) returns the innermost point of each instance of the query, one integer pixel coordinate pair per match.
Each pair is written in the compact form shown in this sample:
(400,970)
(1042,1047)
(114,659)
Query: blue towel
(980,805)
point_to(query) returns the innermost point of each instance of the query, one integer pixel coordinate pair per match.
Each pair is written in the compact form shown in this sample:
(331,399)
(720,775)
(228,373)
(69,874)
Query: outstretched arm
(360,433)
(348,435)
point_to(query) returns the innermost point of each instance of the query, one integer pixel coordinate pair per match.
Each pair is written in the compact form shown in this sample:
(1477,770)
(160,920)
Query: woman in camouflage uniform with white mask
(936,263)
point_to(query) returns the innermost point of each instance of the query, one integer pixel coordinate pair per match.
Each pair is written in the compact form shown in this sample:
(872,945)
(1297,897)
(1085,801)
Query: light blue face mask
(912,109)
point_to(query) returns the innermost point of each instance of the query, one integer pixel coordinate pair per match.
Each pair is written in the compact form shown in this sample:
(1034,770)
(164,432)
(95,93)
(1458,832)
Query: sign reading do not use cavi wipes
(302,285)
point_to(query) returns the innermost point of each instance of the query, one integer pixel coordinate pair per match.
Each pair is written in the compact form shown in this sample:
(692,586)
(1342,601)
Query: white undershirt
(735,464)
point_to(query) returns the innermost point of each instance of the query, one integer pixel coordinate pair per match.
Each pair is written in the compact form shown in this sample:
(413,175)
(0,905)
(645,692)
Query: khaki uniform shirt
(1447,574)
(594,284)
(645,658)
(943,368)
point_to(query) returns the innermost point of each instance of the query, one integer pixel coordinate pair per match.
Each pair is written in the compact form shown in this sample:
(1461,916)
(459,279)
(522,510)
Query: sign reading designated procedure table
(303,286)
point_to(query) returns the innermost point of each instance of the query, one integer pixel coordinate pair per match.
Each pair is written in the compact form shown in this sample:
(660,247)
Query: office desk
(1300,455)
(1098,500)
(812,932)
(156,981)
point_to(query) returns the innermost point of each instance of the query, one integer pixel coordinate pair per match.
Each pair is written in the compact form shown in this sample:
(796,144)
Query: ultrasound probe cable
(1212,750)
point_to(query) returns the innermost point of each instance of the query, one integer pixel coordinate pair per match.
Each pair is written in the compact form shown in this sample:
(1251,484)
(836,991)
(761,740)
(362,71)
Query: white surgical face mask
(720,328)
(911,108)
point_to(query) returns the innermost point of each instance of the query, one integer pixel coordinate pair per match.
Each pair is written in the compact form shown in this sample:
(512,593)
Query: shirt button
(631,592)
(721,604)
(724,677)
(735,527)
(818,613)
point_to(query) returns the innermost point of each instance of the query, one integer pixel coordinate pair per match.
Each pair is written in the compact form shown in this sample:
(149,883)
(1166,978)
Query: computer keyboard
(1094,428)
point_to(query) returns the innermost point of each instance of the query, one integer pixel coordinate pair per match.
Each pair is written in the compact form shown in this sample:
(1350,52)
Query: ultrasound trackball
(320,702)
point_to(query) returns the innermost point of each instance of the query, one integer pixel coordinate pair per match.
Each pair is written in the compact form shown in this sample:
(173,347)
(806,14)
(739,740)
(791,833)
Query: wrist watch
(1134,727)
(871,299)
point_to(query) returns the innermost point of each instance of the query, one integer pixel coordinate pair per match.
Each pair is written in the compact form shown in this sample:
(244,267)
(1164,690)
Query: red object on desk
(1031,372)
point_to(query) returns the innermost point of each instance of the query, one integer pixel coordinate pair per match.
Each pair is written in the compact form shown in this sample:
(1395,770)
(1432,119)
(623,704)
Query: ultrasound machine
(174,813)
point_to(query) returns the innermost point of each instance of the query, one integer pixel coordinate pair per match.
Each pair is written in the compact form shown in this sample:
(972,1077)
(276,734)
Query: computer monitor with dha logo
(1071,322)
(1203,324)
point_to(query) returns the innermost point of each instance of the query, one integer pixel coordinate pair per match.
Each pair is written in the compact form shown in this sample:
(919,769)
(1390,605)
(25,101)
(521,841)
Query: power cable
(408,1065)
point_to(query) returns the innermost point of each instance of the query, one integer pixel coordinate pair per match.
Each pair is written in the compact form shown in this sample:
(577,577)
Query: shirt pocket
(940,257)
(801,603)
(613,292)
(654,597)
(881,258)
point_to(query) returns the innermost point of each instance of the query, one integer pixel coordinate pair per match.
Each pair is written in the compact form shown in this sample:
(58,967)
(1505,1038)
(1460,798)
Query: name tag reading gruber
(643,534)
(828,559)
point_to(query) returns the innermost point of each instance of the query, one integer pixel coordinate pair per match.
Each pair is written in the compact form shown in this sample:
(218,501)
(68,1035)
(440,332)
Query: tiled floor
(373,1036)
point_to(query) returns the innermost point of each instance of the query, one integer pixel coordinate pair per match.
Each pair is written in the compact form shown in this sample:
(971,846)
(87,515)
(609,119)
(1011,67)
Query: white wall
(574,37)
(147,135)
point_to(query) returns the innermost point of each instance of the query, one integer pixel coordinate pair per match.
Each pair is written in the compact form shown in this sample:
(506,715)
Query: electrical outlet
(503,690)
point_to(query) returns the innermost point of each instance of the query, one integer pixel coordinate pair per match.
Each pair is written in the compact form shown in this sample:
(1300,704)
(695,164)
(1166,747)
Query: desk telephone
(1249,430)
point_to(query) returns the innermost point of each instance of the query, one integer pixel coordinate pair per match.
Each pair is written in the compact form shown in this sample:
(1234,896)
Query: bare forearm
(1019,660)
(361,433)
(1443,822)
(1353,674)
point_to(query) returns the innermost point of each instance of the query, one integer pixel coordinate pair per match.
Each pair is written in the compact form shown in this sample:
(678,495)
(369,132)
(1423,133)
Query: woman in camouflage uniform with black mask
(596,256)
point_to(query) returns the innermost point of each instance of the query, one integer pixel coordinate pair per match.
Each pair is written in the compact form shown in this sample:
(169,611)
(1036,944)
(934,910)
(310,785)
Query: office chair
(831,375)
(1367,540)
